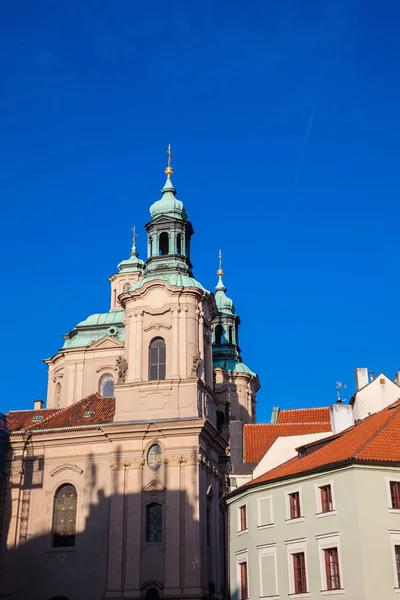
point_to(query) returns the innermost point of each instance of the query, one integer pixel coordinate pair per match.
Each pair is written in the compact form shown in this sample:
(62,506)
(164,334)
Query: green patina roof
(169,204)
(233,366)
(175,279)
(96,327)
(224,304)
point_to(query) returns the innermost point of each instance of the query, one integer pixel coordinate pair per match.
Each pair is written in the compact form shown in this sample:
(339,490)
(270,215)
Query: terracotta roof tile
(375,439)
(103,410)
(259,438)
(305,415)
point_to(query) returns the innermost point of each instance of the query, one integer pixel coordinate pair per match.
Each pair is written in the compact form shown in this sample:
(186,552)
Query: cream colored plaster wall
(361,521)
(381,392)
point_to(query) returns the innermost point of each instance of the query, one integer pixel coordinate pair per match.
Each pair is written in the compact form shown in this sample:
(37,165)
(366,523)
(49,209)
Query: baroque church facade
(116,488)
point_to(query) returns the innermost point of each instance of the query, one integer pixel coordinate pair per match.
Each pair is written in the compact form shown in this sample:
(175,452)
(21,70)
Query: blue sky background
(305,209)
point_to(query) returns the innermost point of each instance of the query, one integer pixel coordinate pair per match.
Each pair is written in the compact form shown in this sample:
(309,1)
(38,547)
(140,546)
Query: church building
(116,488)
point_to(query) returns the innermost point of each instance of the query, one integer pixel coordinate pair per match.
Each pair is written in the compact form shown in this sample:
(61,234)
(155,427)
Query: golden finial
(169,170)
(220,271)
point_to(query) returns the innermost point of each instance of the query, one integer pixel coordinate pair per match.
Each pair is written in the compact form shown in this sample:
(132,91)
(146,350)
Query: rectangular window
(294,505)
(326,498)
(242,518)
(299,573)
(397,555)
(154,522)
(244,587)
(395,493)
(332,569)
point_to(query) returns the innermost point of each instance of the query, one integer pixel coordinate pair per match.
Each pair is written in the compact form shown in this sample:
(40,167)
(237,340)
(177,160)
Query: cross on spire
(135,235)
(169,170)
(220,271)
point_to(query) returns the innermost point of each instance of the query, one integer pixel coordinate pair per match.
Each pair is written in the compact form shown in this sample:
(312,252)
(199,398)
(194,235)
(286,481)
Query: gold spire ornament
(220,271)
(169,170)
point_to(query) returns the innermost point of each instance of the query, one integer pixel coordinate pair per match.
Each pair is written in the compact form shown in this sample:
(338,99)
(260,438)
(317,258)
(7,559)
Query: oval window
(154,457)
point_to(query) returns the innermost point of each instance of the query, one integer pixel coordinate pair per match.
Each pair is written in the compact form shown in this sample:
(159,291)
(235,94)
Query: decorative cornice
(66,467)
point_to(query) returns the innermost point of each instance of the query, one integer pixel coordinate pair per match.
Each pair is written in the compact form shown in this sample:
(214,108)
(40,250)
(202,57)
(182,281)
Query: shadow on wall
(100,543)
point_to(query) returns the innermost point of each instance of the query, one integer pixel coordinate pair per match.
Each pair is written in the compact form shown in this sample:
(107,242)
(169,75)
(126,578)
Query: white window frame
(294,547)
(241,557)
(264,525)
(287,505)
(389,495)
(319,514)
(325,541)
(394,541)
(240,531)
(265,551)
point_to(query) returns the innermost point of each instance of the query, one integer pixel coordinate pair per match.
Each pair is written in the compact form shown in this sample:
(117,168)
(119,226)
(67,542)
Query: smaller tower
(129,272)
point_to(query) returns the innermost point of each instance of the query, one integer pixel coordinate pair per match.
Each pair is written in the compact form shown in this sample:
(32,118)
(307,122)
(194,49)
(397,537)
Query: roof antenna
(340,386)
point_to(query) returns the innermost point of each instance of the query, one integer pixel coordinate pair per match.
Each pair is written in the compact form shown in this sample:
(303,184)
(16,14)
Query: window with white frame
(268,570)
(297,566)
(325,498)
(395,546)
(242,518)
(393,493)
(330,562)
(242,575)
(264,511)
(294,504)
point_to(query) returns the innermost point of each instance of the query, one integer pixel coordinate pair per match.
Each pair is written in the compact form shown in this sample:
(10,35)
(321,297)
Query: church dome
(224,304)
(168,204)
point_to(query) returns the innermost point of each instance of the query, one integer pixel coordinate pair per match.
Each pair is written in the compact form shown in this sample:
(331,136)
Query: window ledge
(328,513)
(332,592)
(266,526)
(397,590)
(298,520)
(242,531)
(395,511)
(58,549)
(301,595)
(273,597)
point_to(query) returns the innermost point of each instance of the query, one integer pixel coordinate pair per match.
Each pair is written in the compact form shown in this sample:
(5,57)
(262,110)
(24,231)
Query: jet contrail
(303,149)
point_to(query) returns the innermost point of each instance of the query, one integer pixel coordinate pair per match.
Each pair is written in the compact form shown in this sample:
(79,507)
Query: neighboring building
(115,490)
(326,522)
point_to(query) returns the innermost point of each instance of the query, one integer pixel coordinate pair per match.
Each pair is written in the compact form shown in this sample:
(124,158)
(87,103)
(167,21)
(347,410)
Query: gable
(106,342)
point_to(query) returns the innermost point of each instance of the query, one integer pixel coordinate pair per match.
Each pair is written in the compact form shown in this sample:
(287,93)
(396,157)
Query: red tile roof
(259,438)
(71,416)
(375,439)
(305,415)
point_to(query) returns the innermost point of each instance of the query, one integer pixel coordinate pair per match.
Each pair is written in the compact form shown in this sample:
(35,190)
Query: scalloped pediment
(66,467)
(154,486)
(106,342)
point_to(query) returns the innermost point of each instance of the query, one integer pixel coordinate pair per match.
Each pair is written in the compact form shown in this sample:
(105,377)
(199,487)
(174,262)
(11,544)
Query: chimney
(397,378)
(362,378)
(275,414)
(38,405)
(341,416)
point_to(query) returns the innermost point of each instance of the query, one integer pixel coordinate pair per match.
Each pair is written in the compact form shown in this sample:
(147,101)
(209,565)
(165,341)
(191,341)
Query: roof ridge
(379,430)
(306,408)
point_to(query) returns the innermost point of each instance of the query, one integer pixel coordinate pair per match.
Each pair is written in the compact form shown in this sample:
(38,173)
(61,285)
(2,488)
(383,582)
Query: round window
(154,457)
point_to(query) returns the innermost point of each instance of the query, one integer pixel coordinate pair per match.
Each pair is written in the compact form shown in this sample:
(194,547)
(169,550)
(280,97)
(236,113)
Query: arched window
(154,522)
(157,359)
(220,420)
(107,386)
(152,594)
(150,246)
(219,331)
(230,332)
(58,395)
(64,516)
(164,244)
(179,244)
(127,287)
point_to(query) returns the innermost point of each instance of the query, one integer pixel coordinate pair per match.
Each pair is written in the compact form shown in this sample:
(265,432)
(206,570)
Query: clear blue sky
(307,216)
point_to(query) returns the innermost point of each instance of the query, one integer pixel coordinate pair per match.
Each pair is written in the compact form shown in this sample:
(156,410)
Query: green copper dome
(175,279)
(168,204)
(224,304)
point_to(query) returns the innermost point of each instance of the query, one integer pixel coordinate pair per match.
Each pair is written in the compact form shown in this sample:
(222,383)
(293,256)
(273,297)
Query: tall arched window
(219,331)
(127,287)
(107,386)
(179,244)
(157,359)
(220,420)
(230,333)
(58,395)
(164,244)
(64,516)
(154,522)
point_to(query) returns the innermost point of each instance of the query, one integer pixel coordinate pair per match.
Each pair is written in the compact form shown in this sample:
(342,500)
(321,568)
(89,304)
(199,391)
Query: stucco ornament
(196,363)
(122,366)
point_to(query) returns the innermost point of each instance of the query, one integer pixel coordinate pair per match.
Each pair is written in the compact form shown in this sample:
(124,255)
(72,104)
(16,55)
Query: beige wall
(381,392)
(361,524)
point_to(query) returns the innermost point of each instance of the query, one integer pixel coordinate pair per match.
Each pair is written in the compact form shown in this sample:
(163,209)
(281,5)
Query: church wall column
(174,525)
(192,536)
(132,347)
(201,343)
(79,382)
(71,385)
(183,342)
(116,539)
(139,347)
(133,526)
(175,343)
